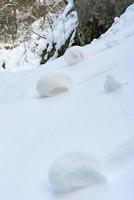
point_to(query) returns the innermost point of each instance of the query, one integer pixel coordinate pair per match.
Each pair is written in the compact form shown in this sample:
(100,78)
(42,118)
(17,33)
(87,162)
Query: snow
(74,55)
(73,171)
(53,85)
(112,84)
(35,131)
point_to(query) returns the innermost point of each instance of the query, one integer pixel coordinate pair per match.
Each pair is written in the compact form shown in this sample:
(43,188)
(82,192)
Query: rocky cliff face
(96,16)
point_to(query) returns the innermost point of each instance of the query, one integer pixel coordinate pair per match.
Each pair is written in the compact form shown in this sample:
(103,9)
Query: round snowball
(74,55)
(73,171)
(111,84)
(53,85)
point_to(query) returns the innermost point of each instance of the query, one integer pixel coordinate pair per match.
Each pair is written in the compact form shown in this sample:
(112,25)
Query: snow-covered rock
(74,55)
(73,171)
(53,85)
(111,84)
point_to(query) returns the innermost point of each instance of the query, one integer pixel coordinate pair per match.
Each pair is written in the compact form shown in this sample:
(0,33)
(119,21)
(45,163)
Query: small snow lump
(111,84)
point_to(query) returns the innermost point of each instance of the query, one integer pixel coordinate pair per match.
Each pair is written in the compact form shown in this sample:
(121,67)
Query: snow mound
(74,171)
(112,84)
(53,85)
(74,55)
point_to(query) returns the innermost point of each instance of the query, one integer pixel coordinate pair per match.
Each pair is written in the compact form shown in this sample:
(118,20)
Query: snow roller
(73,171)
(74,55)
(53,85)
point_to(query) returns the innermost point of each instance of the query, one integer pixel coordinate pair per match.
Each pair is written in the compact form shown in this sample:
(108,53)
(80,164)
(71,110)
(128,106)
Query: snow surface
(36,131)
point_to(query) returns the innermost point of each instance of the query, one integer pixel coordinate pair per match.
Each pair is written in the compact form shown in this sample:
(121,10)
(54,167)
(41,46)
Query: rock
(96,16)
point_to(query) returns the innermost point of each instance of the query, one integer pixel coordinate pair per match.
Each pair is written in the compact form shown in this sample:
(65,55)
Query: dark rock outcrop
(96,16)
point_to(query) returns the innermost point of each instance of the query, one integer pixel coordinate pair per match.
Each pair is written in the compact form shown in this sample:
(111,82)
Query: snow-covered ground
(35,131)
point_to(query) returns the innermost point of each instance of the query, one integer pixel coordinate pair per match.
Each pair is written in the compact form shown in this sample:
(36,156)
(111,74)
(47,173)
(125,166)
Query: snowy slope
(34,131)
